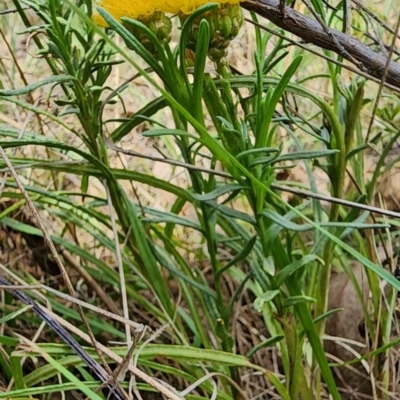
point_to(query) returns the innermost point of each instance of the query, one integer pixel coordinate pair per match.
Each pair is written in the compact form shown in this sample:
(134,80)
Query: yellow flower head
(142,9)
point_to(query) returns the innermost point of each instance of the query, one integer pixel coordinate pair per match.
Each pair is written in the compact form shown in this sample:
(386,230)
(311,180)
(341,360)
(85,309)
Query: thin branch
(311,31)
(12,11)
(335,200)
(321,55)
(110,145)
(298,192)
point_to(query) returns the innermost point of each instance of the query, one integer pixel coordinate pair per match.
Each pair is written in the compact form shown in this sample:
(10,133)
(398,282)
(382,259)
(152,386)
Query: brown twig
(122,368)
(311,31)
(320,55)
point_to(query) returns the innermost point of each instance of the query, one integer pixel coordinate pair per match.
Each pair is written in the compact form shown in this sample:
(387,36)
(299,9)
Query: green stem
(216,108)
(337,176)
(337,173)
(225,73)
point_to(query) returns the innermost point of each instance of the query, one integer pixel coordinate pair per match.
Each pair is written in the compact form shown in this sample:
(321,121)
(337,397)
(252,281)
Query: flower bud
(159,24)
(225,23)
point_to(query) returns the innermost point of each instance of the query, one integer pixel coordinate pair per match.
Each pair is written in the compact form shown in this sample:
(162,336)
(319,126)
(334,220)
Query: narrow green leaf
(279,387)
(71,377)
(293,300)
(14,314)
(131,41)
(8,341)
(220,191)
(174,219)
(17,373)
(257,151)
(202,45)
(285,223)
(270,102)
(34,86)
(248,247)
(85,183)
(327,314)
(266,297)
(295,266)
(305,155)
(19,394)
(152,271)
(167,132)
(148,110)
(266,343)
(166,262)
(231,213)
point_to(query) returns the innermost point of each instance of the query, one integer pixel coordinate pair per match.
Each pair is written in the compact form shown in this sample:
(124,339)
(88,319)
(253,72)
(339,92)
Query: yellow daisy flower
(224,21)
(142,9)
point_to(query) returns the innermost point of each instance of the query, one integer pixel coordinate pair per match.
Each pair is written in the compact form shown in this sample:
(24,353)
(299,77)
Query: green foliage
(253,126)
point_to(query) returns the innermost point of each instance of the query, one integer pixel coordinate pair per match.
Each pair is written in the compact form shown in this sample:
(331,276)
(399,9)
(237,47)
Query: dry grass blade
(65,336)
(161,388)
(54,252)
(75,300)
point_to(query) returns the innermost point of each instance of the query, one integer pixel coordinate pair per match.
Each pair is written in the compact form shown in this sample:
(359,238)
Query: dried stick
(312,32)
